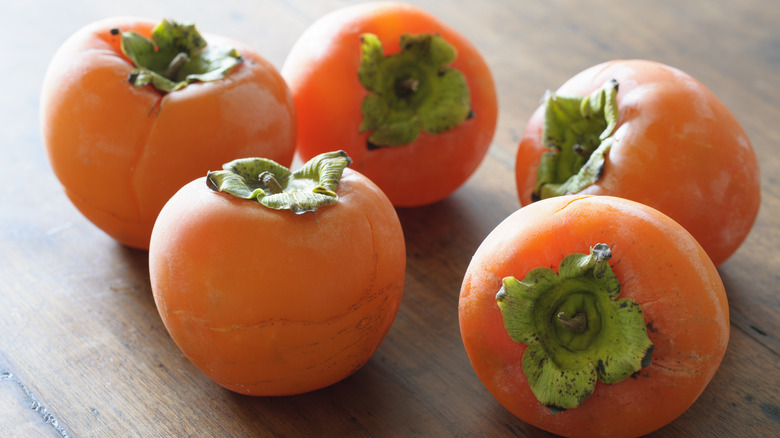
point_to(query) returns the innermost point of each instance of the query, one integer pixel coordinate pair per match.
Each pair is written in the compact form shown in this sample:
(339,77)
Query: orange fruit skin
(659,264)
(268,302)
(677,148)
(121,152)
(321,70)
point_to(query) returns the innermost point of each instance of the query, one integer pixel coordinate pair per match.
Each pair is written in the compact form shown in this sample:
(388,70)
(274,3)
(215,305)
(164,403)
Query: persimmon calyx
(174,57)
(576,328)
(577,132)
(410,91)
(275,186)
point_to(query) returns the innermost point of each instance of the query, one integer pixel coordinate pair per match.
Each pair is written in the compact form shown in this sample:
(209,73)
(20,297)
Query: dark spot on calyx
(555,409)
(600,366)
(210,183)
(647,359)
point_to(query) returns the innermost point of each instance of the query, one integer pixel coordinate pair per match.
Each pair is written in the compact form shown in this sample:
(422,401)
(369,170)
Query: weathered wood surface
(83,351)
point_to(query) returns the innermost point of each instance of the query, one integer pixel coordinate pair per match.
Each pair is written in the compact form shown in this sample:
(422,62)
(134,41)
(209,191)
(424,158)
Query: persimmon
(131,111)
(408,97)
(649,132)
(268,302)
(593,316)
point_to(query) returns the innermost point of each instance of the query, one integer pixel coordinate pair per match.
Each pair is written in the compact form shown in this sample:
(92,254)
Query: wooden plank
(80,338)
(22,412)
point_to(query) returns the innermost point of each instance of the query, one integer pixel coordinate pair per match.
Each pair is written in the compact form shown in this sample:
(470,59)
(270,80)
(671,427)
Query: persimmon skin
(659,264)
(268,302)
(121,152)
(321,70)
(677,148)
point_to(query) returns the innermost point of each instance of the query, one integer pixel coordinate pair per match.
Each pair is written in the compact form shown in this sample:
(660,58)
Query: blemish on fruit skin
(563,207)
(651,328)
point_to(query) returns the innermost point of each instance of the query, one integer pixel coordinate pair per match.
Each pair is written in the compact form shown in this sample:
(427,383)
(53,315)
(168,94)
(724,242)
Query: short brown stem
(578,323)
(406,87)
(175,65)
(270,183)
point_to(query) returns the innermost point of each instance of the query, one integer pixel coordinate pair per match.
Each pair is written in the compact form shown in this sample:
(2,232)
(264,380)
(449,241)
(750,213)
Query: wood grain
(83,352)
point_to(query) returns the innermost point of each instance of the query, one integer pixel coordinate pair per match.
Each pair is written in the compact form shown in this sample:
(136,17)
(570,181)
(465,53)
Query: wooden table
(83,352)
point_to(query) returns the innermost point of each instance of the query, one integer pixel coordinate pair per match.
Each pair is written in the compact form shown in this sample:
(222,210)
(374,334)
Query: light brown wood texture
(83,352)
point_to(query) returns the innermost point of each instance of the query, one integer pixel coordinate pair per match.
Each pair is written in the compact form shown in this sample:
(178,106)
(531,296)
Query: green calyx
(411,91)
(275,186)
(174,57)
(577,131)
(576,328)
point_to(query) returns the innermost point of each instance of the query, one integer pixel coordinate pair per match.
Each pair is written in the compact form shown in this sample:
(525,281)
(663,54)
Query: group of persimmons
(594,310)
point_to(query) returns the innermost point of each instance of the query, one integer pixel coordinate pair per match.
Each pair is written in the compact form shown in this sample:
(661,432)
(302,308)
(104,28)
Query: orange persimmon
(408,97)
(649,132)
(593,316)
(129,115)
(265,301)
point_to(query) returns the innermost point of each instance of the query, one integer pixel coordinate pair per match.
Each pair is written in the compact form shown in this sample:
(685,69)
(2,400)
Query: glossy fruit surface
(270,302)
(657,266)
(346,59)
(121,150)
(670,144)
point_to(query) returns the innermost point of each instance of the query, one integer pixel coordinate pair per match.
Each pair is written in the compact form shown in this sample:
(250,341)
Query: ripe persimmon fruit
(593,316)
(131,111)
(278,283)
(651,133)
(408,97)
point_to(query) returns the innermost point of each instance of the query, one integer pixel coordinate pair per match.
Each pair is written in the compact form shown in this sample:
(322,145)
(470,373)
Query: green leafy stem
(411,91)
(175,56)
(576,328)
(577,132)
(275,186)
